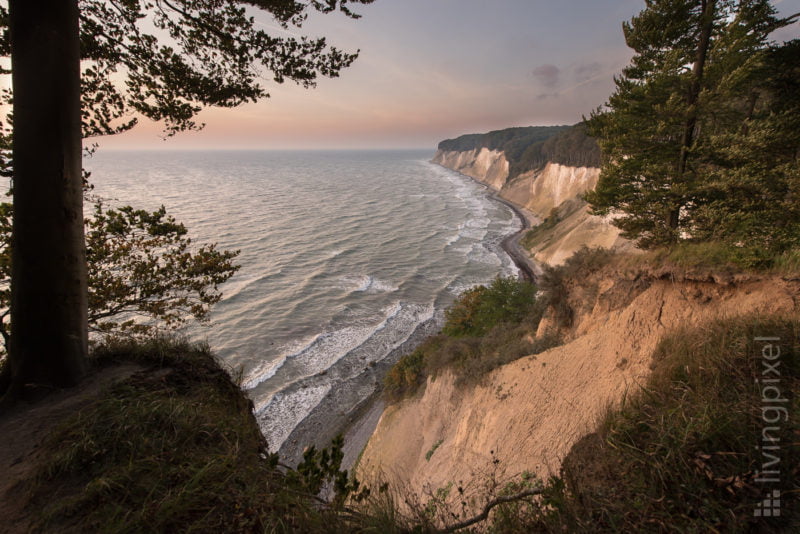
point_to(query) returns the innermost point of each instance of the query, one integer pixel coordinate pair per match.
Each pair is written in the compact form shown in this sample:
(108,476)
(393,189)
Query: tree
(750,198)
(90,67)
(142,265)
(479,309)
(144,274)
(655,132)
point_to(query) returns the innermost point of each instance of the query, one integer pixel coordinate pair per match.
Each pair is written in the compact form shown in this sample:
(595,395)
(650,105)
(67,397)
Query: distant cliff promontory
(546,170)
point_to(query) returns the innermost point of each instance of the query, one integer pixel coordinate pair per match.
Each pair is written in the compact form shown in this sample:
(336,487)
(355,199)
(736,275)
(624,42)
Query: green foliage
(683,454)
(320,469)
(485,328)
(429,454)
(409,372)
(788,262)
(720,256)
(535,234)
(145,274)
(143,264)
(717,257)
(165,60)
(501,139)
(532,147)
(709,151)
(477,310)
(749,197)
(568,147)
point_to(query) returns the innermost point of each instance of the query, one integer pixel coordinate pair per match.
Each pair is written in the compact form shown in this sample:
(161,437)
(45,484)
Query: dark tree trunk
(698,69)
(48,283)
(701,53)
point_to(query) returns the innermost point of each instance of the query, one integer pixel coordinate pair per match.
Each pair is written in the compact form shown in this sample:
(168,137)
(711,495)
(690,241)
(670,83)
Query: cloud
(587,71)
(547,75)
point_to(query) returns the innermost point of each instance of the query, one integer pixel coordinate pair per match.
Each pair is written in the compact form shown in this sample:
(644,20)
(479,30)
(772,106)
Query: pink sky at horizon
(431,70)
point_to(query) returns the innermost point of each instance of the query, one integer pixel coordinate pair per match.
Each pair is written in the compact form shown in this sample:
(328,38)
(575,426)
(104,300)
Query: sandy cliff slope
(529,413)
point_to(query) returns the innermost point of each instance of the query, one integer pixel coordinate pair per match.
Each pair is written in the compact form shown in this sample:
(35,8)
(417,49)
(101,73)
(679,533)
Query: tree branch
(488,508)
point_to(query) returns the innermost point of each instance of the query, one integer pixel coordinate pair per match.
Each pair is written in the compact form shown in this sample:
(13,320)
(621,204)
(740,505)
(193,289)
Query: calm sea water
(344,256)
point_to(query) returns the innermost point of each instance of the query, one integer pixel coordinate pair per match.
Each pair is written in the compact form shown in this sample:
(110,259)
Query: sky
(431,70)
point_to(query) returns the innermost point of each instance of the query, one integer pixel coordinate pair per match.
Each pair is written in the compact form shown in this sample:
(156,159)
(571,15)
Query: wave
(286,410)
(367,284)
(237,285)
(281,413)
(268,368)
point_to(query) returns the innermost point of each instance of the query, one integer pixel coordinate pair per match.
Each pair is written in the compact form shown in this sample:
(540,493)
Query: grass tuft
(174,448)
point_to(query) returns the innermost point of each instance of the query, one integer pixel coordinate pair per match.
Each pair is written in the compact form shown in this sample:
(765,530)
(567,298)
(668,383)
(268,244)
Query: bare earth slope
(25,426)
(529,413)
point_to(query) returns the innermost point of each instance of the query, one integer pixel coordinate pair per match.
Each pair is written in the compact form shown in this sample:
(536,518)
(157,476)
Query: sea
(347,259)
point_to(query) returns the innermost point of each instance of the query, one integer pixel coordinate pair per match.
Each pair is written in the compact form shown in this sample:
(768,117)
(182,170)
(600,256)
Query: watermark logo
(769,507)
(774,414)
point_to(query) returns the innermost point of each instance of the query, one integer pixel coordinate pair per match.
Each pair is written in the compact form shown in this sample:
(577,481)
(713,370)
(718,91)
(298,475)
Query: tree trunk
(48,282)
(704,39)
(698,68)
(673,219)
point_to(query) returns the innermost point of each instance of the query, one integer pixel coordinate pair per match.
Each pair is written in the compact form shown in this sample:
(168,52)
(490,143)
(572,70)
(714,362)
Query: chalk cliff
(550,188)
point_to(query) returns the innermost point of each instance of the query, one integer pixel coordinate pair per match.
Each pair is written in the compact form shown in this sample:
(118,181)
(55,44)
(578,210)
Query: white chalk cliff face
(527,414)
(487,166)
(540,192)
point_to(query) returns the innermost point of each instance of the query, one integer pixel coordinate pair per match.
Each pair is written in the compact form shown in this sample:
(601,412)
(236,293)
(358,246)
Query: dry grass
(682,455)
(172,449)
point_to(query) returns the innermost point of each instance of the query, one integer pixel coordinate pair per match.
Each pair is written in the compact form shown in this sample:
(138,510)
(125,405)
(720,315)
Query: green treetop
(688,86)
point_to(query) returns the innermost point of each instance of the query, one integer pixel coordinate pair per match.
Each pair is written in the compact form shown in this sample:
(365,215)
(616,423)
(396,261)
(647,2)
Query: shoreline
(340,413)
(358,422)
(528,269)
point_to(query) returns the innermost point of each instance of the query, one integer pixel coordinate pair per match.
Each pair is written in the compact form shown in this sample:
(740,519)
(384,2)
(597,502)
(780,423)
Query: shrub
(506,300)
(532,236)
(409,372)
(486,327)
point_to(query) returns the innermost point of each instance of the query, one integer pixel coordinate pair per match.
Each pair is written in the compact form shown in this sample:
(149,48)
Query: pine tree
(750,198)
(684,85)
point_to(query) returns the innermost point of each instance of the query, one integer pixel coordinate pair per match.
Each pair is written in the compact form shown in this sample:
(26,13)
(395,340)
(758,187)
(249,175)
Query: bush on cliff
(477,310)
(486,327)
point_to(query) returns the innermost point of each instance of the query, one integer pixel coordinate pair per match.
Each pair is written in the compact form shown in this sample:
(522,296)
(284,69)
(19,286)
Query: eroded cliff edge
(526,415)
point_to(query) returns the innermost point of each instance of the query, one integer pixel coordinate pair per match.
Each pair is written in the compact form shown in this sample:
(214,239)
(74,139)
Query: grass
(536,234)
(172,449)
(787,263)
(429,454)
(682,454)
(710,257)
